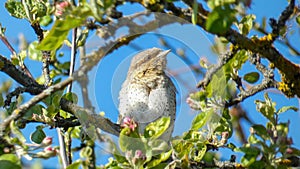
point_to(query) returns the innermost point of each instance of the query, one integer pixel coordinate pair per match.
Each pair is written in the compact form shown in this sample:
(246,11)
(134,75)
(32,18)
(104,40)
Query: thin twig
(209,74)
(73,56)
(46,54)
(266,84)
(16,92)
(284,16)
(8,45)
(14,54)
(68,154)
(62,147)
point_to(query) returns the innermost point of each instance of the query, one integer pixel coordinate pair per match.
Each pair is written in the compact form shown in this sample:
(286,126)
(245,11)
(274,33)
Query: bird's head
(148,62)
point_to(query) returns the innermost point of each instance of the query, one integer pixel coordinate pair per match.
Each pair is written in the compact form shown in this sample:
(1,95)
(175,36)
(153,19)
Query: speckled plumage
(148,93)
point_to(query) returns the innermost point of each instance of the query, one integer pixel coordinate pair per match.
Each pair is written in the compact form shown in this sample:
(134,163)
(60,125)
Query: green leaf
(12,107)
(71,97)
(158,146)
(86,152)
(33,52)
(38,135)
(214,3)
(127,137)
(2,30)
(17,132)
(251,77)
(46,20)
(246,24)
(282,129)
(96,10)
(224,125)
(298,20)
(36,109)
(266,108)
(217,85)
(157,128)
(200,120)
(199,151)
(53,99)
(182,148)
(220,19)
(247,149)
(238,60)
(56,98)
(286,108)
(65,66)
(155,163)
(199,96)
(9,161)
(61,28)
(15,9)
(231,146)
(250,156)
(261,131)
(220,84)
(253,140)
(75,165)
(41,80)
(40,8)
(22,55)
(194,135)
(226,114)
(52,111)
(15,61)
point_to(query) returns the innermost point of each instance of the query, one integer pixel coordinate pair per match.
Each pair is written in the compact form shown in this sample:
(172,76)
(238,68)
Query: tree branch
(14,53)
(262,46)
(31,85)
(90,118)
(135,30)
(284,16)
(21,110)
(46,54)
(209,74)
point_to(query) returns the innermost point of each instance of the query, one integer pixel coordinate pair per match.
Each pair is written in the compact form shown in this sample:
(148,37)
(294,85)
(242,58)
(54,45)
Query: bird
(148,93)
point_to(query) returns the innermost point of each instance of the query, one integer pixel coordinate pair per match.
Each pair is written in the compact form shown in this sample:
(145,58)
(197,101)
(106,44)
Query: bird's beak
(163,54)
(161,58)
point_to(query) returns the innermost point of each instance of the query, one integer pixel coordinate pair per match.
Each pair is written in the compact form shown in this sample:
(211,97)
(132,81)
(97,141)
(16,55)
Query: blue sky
(108,76)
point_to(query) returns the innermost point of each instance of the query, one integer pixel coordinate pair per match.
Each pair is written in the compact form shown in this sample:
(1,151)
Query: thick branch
(90,118)
(31,85)
(263,47)
(135,30)
(21,110)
